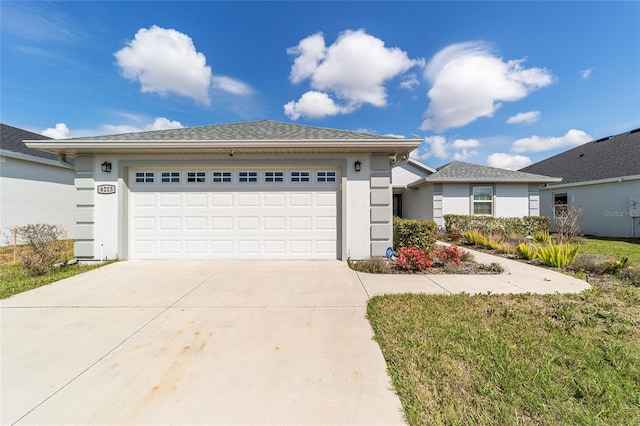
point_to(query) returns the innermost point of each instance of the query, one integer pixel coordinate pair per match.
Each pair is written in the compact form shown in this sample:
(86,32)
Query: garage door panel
(227,220)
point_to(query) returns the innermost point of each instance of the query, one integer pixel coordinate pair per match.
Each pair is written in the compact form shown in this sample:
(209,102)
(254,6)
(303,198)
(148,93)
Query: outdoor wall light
(106,167)
(357,166)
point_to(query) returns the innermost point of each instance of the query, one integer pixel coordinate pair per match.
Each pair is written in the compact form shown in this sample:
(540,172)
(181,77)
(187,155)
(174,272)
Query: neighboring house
(465,189)
(600,177)
(262,189)
(34,186)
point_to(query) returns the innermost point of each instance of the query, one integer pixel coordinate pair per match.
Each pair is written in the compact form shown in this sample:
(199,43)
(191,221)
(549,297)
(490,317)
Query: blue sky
(497,83)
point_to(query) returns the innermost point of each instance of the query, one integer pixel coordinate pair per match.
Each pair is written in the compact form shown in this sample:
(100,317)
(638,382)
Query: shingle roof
(252,130)
(11,140)
(611,157)
(458,171)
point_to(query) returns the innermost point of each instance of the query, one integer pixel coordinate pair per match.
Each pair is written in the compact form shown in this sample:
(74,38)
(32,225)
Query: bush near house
(509,225)
(43,247)
(414,233)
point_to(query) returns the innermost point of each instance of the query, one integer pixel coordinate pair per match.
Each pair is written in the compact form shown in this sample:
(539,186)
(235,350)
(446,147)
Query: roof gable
(458,171)
(610,157)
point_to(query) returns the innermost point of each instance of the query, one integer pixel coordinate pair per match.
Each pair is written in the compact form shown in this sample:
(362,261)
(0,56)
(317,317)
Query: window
(483,200)
(326,176)
(196,177)
(274,176)
(221,177)
(299,176)
(560,202)
(170,177)
(248,177)
(145,177)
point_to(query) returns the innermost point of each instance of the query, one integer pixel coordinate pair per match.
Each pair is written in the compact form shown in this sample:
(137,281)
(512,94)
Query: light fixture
(357,166)
(106,167)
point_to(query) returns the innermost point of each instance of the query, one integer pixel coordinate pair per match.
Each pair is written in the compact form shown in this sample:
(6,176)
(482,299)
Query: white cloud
(465,143)
(409,81)
(537,144)
(508,161)
(160,123)
(166,61)
(524,117)
(465,154)
(313,105)
(353,70)
(469,81)
(231,85)
(61,131)
(585,74)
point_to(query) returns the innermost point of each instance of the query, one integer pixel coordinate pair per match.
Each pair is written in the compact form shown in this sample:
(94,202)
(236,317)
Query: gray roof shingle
(611,157)
(252,130)
(11,140)
(458,171)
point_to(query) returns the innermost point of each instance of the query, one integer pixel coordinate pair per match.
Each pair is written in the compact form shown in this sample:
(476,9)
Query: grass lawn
(14,279)
(517,359)
(613,248)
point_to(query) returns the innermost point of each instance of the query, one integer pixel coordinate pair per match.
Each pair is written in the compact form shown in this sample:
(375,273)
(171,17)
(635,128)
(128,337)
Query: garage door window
(144,177)
(299,176)
(221,177)
(196,177)
(170,177)
(326,176)
(274,177)
(248,177)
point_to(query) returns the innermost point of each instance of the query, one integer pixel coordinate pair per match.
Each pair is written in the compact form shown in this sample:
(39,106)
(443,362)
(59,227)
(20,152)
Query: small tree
(568,222)
(43,247)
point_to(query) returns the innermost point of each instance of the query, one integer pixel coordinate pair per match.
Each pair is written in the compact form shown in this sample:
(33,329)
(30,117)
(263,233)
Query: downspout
(62,158)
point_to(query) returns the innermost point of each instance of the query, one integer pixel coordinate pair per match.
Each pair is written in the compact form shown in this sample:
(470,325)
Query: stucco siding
(406,174)
(511,200)
(418,203)
(606,207)
(33,193)
(455,198)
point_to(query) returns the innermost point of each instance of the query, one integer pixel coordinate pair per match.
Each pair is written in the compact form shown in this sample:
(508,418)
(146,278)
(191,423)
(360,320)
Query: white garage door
(233,213)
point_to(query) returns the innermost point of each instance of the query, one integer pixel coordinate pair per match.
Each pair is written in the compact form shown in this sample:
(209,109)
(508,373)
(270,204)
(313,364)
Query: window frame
(300,176)
(250,176)
(171,176)
(326,176)
(559,207)
(146,176)
(274,176)
(476,202)
(198,177)
(225,176)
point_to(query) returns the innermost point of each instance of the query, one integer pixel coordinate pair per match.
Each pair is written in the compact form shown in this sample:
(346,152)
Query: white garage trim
(246,211)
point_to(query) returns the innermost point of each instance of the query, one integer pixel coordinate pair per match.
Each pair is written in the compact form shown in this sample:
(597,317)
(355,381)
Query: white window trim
(491,201)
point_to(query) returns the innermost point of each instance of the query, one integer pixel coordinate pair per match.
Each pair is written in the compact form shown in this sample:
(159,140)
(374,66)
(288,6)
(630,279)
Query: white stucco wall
(354,198)
(418,203)
(455,198)
(511,200)
(406,174)
(606,206)
(34,192)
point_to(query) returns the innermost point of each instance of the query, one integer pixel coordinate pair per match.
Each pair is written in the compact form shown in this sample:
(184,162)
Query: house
(602,178)
(464,189)
(34,186)
(261,189)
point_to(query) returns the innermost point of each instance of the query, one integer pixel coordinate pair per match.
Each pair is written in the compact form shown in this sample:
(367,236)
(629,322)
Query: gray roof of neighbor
(610,157)
(252,130)
(458,171)
(11,140)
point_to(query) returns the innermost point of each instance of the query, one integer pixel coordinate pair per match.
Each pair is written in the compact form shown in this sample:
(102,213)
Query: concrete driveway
(195,342)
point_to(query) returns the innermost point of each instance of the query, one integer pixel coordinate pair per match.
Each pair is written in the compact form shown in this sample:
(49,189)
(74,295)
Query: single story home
(34,186)
(261,189)
(602,178)
(421,192)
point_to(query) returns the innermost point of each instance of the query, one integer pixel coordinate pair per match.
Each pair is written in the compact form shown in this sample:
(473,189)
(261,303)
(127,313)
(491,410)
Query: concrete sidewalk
(518,277)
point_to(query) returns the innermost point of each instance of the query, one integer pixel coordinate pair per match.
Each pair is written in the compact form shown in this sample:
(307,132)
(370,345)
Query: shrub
(557,255)
(541,236)
(526,251)
(568,222)
(414,233)
(454,236)
(452,254)
(44,247)
(630,275)
(476,237)
(374,265)
(413,259)
(509,225)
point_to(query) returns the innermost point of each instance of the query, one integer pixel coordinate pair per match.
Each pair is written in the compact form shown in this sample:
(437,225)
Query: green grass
(613,248)
(14,280)
(514,359)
